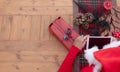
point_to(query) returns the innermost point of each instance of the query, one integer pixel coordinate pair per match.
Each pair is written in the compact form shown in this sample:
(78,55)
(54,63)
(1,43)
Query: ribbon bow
(67,34)
(116,33)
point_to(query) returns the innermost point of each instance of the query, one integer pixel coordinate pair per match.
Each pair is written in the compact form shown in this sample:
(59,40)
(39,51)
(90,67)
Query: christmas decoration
(116,33)
(84,20)
(89,17)
(108,5)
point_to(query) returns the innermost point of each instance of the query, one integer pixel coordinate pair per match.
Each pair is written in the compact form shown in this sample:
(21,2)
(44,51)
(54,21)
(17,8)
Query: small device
(99,41)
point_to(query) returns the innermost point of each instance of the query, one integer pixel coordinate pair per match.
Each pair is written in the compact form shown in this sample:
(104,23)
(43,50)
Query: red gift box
(63,32)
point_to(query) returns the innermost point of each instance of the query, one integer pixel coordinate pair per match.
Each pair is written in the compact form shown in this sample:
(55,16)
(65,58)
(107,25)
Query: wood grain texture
(6,27)
(1,21)
(25,42)
(15,33)
(35,7)
(118,3)
(35,28)
(25,27)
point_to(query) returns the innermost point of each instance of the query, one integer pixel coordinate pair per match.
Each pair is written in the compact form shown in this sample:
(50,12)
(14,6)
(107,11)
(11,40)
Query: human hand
(80,41)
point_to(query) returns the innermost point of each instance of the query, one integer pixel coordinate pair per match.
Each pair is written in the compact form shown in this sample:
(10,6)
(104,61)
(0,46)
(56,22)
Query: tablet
(99,41)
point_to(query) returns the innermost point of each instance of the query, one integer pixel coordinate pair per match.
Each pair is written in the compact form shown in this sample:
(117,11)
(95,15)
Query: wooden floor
(25,43)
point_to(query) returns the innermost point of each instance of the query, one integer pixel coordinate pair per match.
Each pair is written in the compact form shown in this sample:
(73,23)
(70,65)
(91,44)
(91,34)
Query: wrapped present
(63,32)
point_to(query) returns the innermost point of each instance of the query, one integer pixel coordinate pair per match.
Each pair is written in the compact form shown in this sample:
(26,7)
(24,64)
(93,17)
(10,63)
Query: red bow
(116,33)
(67,34)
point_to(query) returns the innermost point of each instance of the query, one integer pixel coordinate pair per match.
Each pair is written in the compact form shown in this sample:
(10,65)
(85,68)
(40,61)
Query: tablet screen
(98,41)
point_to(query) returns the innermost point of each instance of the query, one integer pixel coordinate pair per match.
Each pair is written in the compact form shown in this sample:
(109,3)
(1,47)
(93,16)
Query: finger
(84,42)
(85,37)
(80,37)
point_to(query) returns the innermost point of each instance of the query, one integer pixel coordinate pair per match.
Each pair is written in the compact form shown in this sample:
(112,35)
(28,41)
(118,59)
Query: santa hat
(107,59)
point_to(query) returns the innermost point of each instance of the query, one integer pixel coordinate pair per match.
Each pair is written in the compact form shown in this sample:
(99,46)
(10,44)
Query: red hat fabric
(109,58)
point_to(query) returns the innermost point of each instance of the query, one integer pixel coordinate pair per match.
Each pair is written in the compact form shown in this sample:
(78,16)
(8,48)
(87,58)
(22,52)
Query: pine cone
(80,18)
(85,25)
(104,17)
(89,17)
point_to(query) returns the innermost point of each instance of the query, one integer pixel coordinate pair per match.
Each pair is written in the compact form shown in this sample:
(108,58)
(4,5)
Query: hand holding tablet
(99,41)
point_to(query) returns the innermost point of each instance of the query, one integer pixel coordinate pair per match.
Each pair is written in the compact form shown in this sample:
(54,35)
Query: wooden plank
(35,28)
(6,56)
(36,3)
(37,10)
(6,27)
(25,27)
(71,20)
(118,2)
(41,58)
(29,56)
(16,28)
(45,52)
(18,61)
(28,67)
(54,3)
(42,29)
(1,21)
(46,33)
(31,45)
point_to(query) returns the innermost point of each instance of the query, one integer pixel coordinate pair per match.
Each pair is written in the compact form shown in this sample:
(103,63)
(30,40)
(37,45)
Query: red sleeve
(68,61)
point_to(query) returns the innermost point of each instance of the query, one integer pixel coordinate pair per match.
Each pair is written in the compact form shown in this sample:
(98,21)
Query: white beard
(92,60)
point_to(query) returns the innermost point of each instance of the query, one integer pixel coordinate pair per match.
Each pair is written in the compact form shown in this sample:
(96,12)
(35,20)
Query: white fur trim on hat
(92,60)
